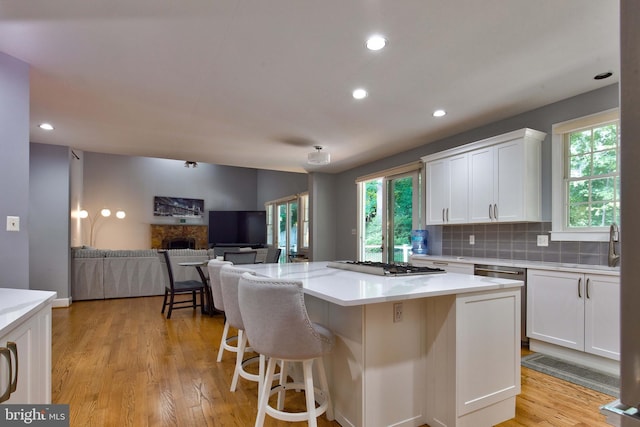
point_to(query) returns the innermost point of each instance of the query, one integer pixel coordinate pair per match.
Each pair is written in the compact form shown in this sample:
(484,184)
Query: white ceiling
(258,83)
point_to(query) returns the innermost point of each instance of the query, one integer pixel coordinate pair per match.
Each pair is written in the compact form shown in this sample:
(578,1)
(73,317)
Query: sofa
(104,274)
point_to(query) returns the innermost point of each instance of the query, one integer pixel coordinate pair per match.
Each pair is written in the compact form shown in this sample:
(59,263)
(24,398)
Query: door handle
(13,348)
(7,354)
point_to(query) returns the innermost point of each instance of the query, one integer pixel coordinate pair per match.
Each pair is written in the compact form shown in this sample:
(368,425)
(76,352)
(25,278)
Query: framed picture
(178,207)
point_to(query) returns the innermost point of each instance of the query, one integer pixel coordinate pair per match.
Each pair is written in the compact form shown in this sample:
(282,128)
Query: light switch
(472,239)
(13,223)
(543,240)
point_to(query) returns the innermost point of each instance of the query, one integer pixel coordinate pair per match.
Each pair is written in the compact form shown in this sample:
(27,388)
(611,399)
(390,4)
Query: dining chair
(241,257)
(174,288)
(273,255)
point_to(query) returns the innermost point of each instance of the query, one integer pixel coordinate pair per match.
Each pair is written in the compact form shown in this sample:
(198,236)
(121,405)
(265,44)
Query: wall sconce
(93,220)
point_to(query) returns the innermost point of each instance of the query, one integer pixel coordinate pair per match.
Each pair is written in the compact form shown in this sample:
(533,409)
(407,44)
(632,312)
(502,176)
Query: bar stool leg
(263,400)
(324,386)
(242,344)
(225,333)
(307,367)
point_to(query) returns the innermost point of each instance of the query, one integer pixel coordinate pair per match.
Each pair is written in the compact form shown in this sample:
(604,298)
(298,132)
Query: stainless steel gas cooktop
(383,269)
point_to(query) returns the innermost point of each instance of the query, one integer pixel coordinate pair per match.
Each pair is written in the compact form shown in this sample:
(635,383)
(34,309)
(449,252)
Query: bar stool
(278,326)
(226,342)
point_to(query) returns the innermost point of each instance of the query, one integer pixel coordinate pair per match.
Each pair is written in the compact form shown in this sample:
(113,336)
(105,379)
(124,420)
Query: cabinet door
(481,179)
(23,338)
(458,190)
(510,175)
(602,316)
(437,192)
(555,307)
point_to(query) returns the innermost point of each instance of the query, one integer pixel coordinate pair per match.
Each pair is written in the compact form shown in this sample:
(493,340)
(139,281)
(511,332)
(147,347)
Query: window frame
(559,194)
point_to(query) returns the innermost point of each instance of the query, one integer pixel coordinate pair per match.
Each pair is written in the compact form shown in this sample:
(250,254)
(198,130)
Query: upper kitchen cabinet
(502,176)
(447,190)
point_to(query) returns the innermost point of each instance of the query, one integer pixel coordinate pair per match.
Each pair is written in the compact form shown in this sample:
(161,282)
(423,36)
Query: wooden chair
(173,288)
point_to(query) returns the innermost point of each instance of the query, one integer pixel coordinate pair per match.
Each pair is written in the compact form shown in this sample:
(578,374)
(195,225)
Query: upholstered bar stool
(278,326)
(226,342)
(229,277)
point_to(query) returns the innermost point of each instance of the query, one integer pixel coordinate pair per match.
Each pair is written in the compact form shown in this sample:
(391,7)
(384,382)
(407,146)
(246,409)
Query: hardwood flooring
(121,363)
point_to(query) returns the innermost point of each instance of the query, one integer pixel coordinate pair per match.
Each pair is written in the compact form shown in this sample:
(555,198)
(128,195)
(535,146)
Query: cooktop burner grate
(383,269)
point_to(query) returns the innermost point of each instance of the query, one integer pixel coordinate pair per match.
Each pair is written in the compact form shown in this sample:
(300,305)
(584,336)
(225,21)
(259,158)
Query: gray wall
(273,185)
(325,215)
(540,119)
(14,171)
(49,219)
(130,183)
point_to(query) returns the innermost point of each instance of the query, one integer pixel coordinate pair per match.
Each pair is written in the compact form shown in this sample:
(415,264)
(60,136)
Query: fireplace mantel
(162,232)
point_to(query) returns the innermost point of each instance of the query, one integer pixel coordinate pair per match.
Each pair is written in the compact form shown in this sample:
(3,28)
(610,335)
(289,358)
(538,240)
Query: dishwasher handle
(491,270)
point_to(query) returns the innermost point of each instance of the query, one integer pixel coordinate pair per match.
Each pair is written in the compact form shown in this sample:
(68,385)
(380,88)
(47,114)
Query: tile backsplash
(515,241)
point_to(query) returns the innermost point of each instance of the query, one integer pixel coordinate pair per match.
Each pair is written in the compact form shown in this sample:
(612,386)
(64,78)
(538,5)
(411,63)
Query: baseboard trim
(61,302)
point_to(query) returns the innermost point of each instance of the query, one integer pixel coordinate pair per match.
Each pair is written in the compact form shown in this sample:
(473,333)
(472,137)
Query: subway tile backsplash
(515,241)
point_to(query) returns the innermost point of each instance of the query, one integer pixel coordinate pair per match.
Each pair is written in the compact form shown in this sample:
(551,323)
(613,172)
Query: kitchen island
(440,349)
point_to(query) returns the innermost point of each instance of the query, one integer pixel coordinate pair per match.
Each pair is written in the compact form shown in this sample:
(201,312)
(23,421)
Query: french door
(389,209)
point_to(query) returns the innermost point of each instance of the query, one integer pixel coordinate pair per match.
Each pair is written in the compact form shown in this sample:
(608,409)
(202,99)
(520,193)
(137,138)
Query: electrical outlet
(543,240)
(397,312)
(13,223)
(472,239)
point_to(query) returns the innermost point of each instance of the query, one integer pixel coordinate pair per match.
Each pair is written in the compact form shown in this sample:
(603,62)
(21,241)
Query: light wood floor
(121,363)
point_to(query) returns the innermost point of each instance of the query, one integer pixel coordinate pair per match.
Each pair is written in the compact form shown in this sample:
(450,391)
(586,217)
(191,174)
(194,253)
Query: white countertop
(556,266)
(17,305)
(348,288)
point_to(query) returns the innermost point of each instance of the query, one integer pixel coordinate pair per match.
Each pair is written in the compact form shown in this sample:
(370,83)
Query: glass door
(401,199)
(388,211)
(287,226)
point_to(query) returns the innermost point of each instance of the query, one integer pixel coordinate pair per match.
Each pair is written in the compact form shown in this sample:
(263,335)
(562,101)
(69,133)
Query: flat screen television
(241,228)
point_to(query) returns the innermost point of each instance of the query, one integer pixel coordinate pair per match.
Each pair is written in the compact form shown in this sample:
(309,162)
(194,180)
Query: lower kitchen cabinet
(575,310)
(25,367)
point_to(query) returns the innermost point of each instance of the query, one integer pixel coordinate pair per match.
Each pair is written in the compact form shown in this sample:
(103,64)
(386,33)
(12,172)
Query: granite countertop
(17,305)
(556,266)
(349,288)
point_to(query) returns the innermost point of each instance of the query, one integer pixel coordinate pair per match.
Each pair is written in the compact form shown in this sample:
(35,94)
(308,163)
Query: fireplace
(179,243)
(176,236)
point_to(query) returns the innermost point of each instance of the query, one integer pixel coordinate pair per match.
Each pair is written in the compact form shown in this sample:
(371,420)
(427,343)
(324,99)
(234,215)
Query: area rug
(576,374)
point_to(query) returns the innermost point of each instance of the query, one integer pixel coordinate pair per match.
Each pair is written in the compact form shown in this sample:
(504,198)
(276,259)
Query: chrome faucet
(614,236)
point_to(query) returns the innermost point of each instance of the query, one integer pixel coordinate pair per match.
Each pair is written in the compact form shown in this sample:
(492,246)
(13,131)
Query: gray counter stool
(229,277)
(226,342)
(278,326)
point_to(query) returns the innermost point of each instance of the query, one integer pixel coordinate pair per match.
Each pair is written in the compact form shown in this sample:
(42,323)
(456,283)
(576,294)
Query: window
(586,183)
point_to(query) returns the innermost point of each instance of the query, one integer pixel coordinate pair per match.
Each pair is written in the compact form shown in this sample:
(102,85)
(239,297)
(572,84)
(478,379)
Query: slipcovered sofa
(103,273)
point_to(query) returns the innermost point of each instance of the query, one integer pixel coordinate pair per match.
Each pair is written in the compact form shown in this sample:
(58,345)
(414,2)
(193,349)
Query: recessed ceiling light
(439,113)
(376,42)
(360,93)
(46,126)
(603,75)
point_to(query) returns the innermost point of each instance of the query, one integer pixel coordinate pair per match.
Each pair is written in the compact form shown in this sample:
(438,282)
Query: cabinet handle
(13,347)
(440,263)
(447,214)
(490,215)
(443,215)
(7,354)
(495,211)
(588,296)
(580,288)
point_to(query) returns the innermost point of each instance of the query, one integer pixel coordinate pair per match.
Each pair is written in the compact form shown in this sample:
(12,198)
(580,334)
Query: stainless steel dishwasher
(514,273)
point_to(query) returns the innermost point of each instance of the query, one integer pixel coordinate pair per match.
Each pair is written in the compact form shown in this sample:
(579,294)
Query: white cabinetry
(503,180)
(448,266)
(447,190)
(26,370)
(575,310)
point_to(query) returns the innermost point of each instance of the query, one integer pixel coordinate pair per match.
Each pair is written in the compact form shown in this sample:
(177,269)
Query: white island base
(452,360)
